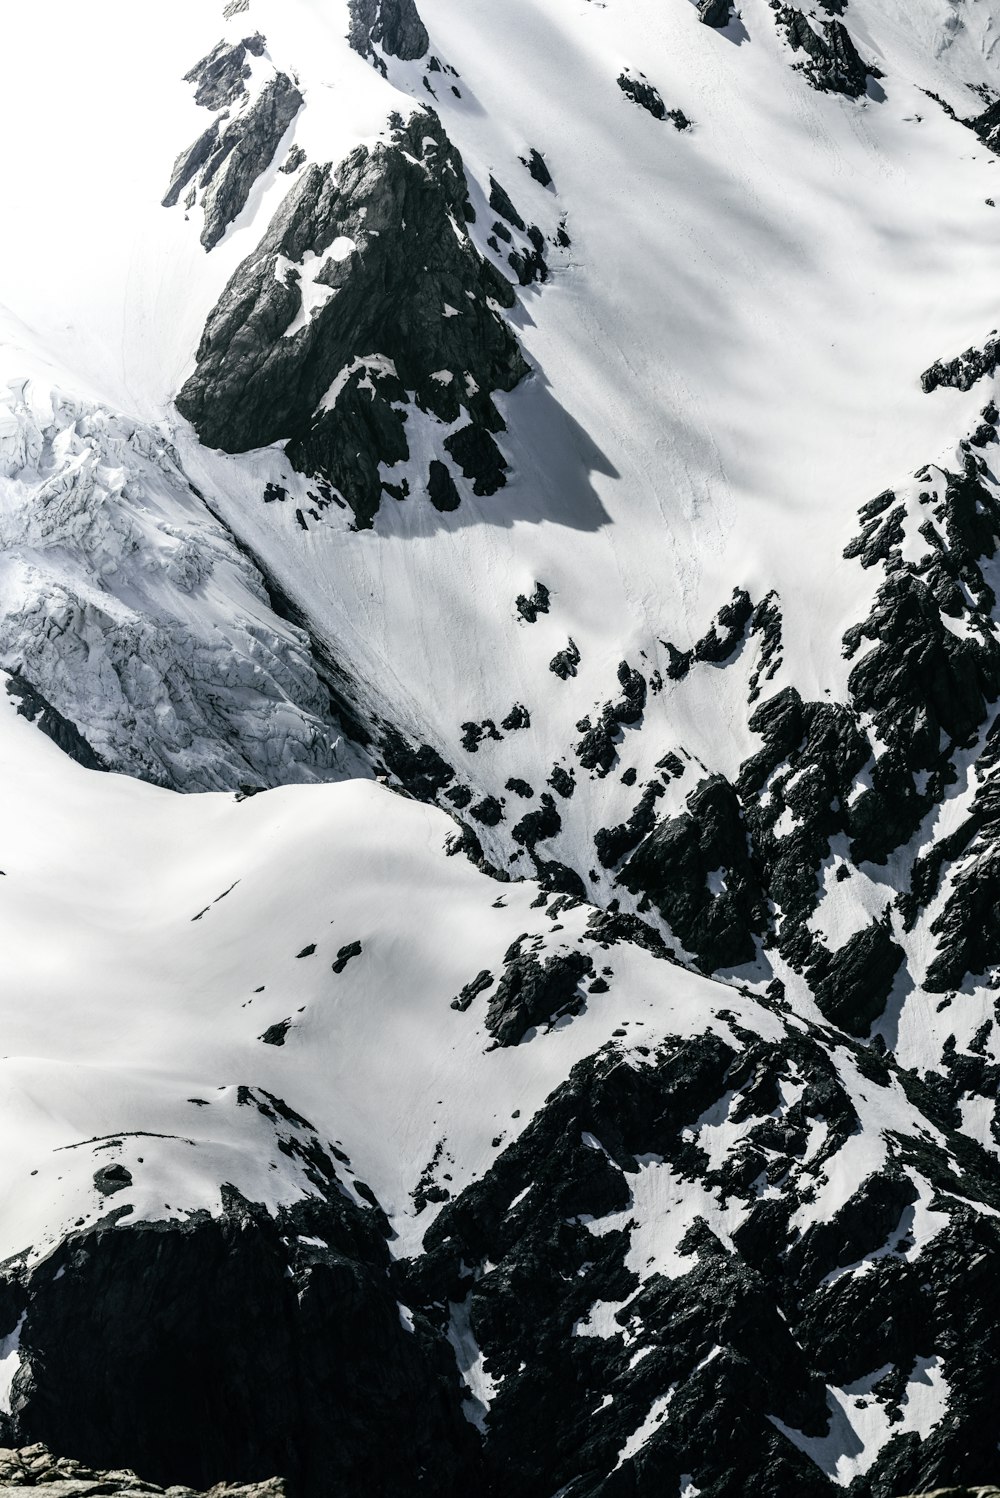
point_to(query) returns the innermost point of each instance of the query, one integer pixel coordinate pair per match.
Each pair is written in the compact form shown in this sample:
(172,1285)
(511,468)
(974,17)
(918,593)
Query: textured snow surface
(125,601)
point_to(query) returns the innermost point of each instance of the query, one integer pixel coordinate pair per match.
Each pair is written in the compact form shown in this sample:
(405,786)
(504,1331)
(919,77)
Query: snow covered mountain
(499,665)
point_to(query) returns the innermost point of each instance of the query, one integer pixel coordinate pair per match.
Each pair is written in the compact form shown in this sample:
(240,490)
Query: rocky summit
(500,748)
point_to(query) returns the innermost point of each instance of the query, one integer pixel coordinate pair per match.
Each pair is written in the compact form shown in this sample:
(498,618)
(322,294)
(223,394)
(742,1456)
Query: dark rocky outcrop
(968,938)
(420,769)
(765,627)
(537,826)
(832,63)
(536,165)
(500,202)
(852,984)
(987,124)
(479,457)
(723,637)
(381,232)
(562,781)
(472,989)
(516,719)
(597,750)
(557,878)
(532,992)
(345,954)
(564,663)
(739,1334)
(881,533)
(473,734)
(519,787)
(638,88)
(530,608)
(295,158)
(225,161)
(714,13)
(734,1333)
(696,870)
(612,843)
(964,370)
(33,706)
(263,1343)
(925,687)
(488,811)
(64,1477)
(526,260)
(220,79)
(441,487)
(641,92)
(394,26)
(112,1178)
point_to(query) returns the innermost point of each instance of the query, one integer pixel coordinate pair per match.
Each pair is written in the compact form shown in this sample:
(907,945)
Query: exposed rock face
(964,370)
(33,706)
(394,26)
(597,750)
(612,843)
(832,61)
(421,770)
(225,161)
(714,13)
(549,1252)
(697,871)
(641,92)
(220,79)
(530,608)
(535,162)
(852,984)
(753,860)
(721,640)
(531,992)
(987,125)
(564,663)
(965,927)
(921,691)
(336,326)
(276,1343)
(231,170)
(63,1477)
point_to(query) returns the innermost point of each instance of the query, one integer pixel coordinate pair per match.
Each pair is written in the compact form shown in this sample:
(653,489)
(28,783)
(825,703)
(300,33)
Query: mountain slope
(568,432)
